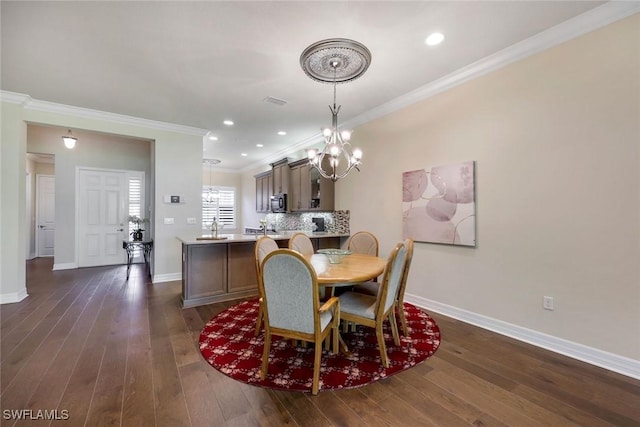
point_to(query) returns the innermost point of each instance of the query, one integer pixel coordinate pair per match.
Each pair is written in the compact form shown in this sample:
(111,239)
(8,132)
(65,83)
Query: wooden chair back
(301,243)
(363,242)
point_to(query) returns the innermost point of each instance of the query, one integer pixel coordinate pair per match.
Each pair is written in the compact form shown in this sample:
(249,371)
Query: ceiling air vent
(276,101)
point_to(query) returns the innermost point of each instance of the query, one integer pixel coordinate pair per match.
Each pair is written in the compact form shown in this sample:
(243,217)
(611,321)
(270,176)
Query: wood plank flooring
(109,351)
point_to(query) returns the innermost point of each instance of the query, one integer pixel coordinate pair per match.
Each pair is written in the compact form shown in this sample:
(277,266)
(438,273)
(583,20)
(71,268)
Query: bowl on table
(335,255)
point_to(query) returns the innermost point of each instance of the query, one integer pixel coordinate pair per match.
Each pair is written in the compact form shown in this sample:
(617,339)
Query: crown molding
(286,152)
(29,103)
(14,98)
(589,21)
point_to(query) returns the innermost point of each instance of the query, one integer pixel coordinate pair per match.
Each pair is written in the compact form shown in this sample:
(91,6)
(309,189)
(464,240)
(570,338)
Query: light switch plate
(169,221)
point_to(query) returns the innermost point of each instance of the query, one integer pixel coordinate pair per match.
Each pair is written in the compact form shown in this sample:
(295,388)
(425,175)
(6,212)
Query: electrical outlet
(547,303)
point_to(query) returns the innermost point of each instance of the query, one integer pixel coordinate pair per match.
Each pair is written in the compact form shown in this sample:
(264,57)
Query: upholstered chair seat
(359,304)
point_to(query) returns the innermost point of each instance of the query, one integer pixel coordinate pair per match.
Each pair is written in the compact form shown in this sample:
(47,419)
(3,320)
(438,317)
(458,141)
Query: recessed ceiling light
(213,138)
(434,39)
(259,145)
(244,154)
(282,133)
(228,122)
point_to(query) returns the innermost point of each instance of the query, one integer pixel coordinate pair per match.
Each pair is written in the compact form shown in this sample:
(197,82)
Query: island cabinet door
(204,272)
(242,267)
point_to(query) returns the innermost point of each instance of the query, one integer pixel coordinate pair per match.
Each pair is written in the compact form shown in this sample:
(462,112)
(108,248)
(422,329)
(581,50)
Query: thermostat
(173,199)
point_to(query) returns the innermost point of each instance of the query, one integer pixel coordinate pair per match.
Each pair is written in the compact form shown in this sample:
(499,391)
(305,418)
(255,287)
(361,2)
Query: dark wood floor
(116,352)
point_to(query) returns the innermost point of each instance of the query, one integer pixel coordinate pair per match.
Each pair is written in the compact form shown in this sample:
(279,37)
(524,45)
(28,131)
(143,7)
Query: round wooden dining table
(354,268)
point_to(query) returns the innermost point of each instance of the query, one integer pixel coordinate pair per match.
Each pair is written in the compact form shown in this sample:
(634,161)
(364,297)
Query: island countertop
(240,238)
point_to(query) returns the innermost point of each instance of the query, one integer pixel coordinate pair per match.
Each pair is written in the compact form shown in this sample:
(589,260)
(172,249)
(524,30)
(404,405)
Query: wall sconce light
(69,140)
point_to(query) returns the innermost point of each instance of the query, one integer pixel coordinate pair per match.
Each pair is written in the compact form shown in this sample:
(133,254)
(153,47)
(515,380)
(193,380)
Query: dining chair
(292,310)
(372,288)
(363,242)
(264,246)
(408,243)
(300,242)
(371,311)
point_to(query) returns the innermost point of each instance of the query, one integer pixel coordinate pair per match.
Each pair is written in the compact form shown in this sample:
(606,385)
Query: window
(135,199)
(136,207)
(218,202)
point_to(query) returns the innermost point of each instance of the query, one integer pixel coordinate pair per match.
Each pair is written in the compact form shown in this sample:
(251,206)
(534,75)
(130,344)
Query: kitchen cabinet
(280,171)
(264,191)
(308,190)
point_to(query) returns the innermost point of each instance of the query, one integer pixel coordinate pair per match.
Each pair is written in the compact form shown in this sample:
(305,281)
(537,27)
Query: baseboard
(159,278)
(13,297)
(65,266)
(620,364)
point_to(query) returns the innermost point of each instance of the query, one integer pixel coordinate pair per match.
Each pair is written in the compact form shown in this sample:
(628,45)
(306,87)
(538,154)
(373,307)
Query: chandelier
(335,61)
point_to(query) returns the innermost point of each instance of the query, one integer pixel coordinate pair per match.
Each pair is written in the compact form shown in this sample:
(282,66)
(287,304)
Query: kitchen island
(223,269)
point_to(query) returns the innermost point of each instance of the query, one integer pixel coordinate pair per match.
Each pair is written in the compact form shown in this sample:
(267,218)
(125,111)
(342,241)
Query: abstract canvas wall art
(438,204)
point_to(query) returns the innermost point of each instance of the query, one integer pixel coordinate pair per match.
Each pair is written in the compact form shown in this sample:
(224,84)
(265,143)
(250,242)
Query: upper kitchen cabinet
(264,191)
(308,190)
(280,176)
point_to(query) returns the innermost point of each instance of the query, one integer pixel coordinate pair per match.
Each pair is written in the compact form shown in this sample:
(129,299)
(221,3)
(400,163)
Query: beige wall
(556,142)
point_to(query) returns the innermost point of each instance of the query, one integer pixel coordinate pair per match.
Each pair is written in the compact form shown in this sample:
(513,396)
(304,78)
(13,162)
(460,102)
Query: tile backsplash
(334,222)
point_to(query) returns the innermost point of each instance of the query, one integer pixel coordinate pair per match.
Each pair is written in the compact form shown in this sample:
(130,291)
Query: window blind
(218,202)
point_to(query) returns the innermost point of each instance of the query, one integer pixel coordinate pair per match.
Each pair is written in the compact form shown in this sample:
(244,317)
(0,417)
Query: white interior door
(46,215)
(102,220)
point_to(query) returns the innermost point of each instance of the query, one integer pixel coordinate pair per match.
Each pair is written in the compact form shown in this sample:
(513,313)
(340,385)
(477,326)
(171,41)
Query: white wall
(13,143)
(173,154)
(556,142)
(95,150)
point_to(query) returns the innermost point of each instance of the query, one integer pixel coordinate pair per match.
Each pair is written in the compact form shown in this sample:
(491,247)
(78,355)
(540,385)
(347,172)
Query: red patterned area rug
(228,343)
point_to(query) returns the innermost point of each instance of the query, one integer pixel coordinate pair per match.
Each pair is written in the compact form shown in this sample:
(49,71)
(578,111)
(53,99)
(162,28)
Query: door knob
(41,226)
(120,229)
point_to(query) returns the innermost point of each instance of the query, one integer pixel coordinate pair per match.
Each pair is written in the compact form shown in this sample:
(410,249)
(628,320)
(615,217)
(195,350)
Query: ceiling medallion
(335,60)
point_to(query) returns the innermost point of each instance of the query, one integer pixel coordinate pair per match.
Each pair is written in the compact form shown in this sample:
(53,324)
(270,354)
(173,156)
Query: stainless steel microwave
(279,203)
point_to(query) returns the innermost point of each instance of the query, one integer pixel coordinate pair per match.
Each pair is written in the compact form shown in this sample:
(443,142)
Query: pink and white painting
(438,204)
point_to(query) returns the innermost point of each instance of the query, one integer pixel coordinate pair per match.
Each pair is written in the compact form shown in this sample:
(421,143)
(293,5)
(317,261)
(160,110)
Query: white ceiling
(199,63)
